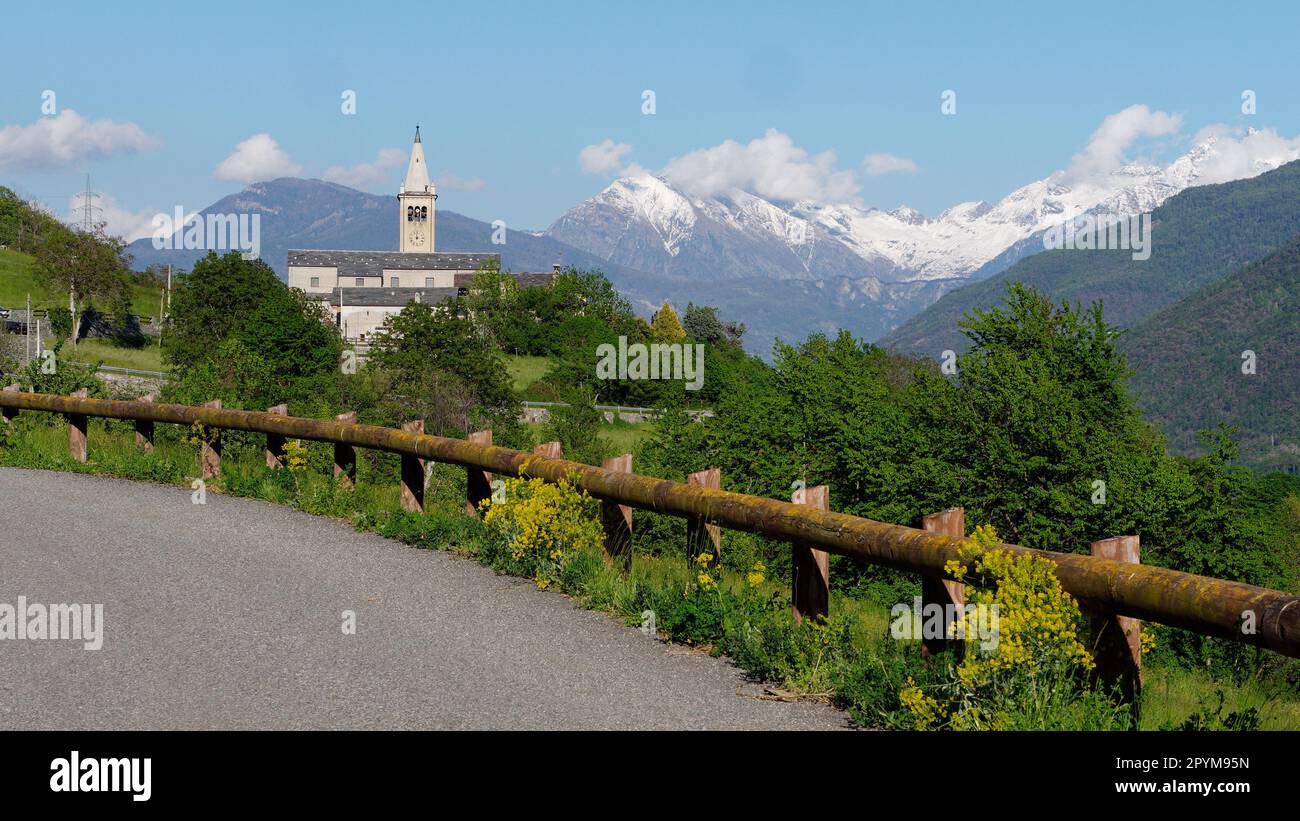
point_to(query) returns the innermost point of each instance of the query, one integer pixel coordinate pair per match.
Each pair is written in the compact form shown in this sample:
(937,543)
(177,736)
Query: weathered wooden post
(946,594)
(77,430)
(478,483)
(551,450)
(144,428)
(616,518)
(1117,640)
(210,451)
(275,441)
(413,473)
(7,414)
(702,537)
(810,591)
(345,456)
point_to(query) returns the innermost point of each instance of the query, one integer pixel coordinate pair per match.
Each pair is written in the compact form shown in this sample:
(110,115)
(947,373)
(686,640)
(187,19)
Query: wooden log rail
(1204,605)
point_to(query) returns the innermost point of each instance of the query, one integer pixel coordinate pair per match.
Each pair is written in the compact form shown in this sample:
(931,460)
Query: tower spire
(417,176)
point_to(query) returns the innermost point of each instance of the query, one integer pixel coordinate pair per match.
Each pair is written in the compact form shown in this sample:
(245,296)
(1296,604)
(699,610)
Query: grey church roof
(373,263)
(387,297)
(529,279)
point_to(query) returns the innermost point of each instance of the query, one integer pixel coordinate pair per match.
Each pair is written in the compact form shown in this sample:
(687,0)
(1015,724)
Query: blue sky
(508,94)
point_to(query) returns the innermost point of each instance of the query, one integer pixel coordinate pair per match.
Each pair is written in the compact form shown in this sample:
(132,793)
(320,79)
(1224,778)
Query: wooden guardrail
(1114,590)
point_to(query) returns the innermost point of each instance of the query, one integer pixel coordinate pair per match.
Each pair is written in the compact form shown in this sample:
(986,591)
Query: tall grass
(95,351)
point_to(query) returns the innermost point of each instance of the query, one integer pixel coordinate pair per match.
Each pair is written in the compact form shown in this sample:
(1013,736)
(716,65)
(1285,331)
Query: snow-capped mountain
(644,222)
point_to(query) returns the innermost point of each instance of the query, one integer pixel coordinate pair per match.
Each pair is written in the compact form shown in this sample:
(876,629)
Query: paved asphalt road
(228,616)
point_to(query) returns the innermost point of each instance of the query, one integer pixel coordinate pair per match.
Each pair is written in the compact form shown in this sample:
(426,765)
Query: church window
(397,283)
(360,282)
(315,282)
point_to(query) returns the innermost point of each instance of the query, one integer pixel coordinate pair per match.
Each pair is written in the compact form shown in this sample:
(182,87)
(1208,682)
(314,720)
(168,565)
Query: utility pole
(27,331)
(88,207)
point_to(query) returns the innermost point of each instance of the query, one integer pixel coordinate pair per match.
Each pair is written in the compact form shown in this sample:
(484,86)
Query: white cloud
(771,166)
(255,159)
(882,163)
(68,141)
(1237,155)
(368,174)
(1105,150)
(451,182)
(118,220)
(602,157)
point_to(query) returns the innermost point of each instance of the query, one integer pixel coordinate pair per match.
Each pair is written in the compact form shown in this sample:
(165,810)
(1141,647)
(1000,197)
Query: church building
(363,288)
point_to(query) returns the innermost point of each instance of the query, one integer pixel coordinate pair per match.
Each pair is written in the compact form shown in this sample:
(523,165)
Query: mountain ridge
(646,222)
(1197,236)
(322,215)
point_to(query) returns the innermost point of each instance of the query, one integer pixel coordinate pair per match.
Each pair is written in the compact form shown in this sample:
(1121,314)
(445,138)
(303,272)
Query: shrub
(1034,675)
(539,523)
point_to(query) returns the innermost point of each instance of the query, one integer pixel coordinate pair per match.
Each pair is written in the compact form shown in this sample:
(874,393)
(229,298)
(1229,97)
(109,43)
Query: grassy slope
(623,436)
(17,281)
(1198,236)
(95,351)
(525,370)
(1188,365)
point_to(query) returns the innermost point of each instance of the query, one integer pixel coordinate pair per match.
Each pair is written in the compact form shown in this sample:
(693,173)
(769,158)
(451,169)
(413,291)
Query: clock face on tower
(415,236)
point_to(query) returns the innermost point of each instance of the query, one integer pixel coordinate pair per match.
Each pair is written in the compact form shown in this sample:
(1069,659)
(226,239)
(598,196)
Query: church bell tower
(415,204)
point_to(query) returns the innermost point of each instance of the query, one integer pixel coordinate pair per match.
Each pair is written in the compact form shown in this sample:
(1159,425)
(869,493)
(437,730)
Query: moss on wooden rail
(1205,605)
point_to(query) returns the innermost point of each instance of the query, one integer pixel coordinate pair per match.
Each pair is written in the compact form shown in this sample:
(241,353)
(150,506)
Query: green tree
(24,226)
(293,335)
(575,424)
(493,301)
(1036,416)
(211,302)
(665,327)
(239,335)
(702,324)
(438,366)
(85,264)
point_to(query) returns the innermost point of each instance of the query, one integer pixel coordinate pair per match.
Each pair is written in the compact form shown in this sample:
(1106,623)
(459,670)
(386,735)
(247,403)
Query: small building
(360,312)
(363,288)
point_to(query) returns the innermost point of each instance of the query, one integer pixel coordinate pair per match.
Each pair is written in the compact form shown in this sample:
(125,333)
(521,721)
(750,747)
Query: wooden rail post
(144,428)
(701,536)
(551,450)
(478,483)
(810,592)
(7,414)
(345,456)
(413,473)
(1117,640)
(77,430)
(942,592)
(210,451)
(616,518)
(275,441)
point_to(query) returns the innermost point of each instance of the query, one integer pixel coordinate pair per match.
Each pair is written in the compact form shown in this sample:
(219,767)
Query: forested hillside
(1192,361)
